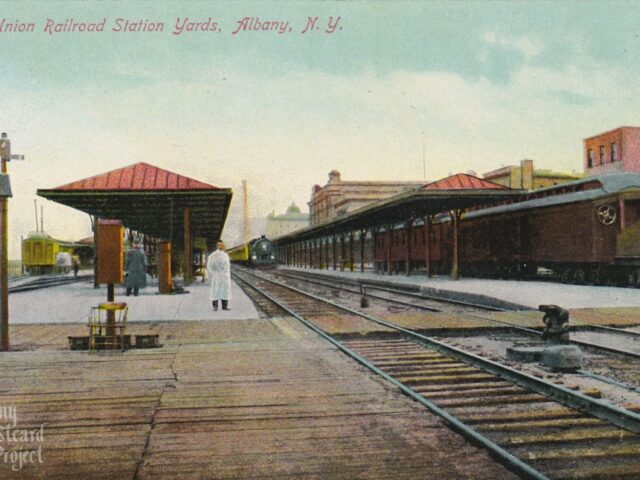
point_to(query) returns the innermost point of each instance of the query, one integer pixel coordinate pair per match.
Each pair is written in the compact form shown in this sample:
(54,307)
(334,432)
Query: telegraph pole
(5,157)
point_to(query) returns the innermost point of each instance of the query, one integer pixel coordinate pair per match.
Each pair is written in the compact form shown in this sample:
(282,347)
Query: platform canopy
(453,193)
(150,200)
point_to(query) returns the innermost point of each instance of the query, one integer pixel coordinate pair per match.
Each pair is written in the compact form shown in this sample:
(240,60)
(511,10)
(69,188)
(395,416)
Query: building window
(603,156)
(614,152)
(590,158)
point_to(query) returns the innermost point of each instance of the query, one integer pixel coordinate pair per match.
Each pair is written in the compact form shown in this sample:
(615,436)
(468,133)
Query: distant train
(586,232)
(42,254)
(258,253)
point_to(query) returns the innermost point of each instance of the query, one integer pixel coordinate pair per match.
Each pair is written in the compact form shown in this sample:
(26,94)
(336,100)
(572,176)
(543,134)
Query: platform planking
(226,399)
(54,336)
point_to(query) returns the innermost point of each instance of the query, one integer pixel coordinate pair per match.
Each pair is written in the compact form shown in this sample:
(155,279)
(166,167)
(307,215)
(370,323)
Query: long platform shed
(332,243)
(153,203)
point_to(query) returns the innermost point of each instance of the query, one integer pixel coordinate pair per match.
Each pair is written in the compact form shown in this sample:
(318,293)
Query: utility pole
(5,157)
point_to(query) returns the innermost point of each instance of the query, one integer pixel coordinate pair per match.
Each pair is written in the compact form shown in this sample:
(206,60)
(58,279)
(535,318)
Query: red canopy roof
(150,200)
(140,176)
(463,181)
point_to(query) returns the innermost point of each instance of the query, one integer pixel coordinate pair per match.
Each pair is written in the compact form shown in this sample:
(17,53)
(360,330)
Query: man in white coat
(219,270)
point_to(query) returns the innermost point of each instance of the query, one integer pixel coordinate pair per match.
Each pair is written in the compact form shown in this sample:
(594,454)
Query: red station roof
(149,200)
(463,181)
(140,176)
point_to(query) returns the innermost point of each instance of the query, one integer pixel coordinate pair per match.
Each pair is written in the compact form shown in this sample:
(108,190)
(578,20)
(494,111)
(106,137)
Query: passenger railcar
(586,231)
(258,253)
(42,254)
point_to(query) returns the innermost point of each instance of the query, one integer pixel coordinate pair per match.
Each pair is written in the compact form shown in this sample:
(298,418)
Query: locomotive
(584,232)
(258,253)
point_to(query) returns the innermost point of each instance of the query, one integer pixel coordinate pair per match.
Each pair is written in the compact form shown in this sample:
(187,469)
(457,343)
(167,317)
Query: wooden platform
(226,399)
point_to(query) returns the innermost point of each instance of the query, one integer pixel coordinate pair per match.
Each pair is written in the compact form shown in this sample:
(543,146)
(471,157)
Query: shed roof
(138,177)
(463,181)
(150,200)
(452,193)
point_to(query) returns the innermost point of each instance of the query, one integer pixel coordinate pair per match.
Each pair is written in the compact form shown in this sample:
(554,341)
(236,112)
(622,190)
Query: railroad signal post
(5,193)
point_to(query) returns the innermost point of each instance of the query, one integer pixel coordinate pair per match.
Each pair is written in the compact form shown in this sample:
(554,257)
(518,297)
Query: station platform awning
(454,193)
(150,200)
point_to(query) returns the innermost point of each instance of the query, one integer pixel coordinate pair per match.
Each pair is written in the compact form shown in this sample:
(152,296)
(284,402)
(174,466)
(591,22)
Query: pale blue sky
(489,83)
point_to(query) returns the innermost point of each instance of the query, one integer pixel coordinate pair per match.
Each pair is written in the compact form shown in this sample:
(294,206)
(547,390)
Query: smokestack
(245,193)
(42,218)
(35,206)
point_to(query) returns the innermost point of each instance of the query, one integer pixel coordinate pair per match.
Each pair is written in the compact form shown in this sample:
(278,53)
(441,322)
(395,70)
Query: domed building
(293,219)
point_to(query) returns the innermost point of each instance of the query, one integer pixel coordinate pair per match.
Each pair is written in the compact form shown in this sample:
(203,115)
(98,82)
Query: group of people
(218,268)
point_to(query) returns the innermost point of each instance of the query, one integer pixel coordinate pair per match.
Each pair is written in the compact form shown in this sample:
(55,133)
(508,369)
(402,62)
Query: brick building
(613,151)
(288,222)
(525,176)
(340,197)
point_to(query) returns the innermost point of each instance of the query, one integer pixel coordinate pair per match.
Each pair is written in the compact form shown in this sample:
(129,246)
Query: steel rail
(46,283)
(503,456)
(461,302)
(610,381)
(614,414)
(350,290)
(619,331)
(369,285)
(529,331)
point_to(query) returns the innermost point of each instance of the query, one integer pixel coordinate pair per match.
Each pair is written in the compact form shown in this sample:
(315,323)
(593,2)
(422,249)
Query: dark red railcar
(586,231)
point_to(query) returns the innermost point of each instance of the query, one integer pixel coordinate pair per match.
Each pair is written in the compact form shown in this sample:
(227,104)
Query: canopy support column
(374,248)
(164,268)
(455,267)
(187,258)
(351,259)
(335,253)
(388,248)
(363,235)
(427,244)
(409,246)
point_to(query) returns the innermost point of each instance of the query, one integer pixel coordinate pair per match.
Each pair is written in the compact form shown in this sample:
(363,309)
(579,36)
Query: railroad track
(44,282)
(534,427)
(438,302)
(469,310)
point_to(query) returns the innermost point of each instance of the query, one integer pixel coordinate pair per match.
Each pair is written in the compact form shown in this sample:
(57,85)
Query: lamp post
(5,193)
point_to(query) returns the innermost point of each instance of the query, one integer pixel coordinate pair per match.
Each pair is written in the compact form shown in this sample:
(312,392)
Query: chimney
(526,167)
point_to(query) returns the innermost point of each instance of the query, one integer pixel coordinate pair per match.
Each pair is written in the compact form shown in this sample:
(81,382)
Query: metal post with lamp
(5,193)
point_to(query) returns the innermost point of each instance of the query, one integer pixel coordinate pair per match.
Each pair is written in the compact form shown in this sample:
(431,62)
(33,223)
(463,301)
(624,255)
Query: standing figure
(136,267)
(219,270)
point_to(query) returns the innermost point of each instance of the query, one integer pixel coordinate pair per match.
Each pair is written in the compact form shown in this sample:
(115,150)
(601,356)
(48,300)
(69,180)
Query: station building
(339,197)
(526,177)
(288,222)
(617,150)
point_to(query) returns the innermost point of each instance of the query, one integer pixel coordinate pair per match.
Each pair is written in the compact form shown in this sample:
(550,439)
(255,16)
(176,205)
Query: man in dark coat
(136,267)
